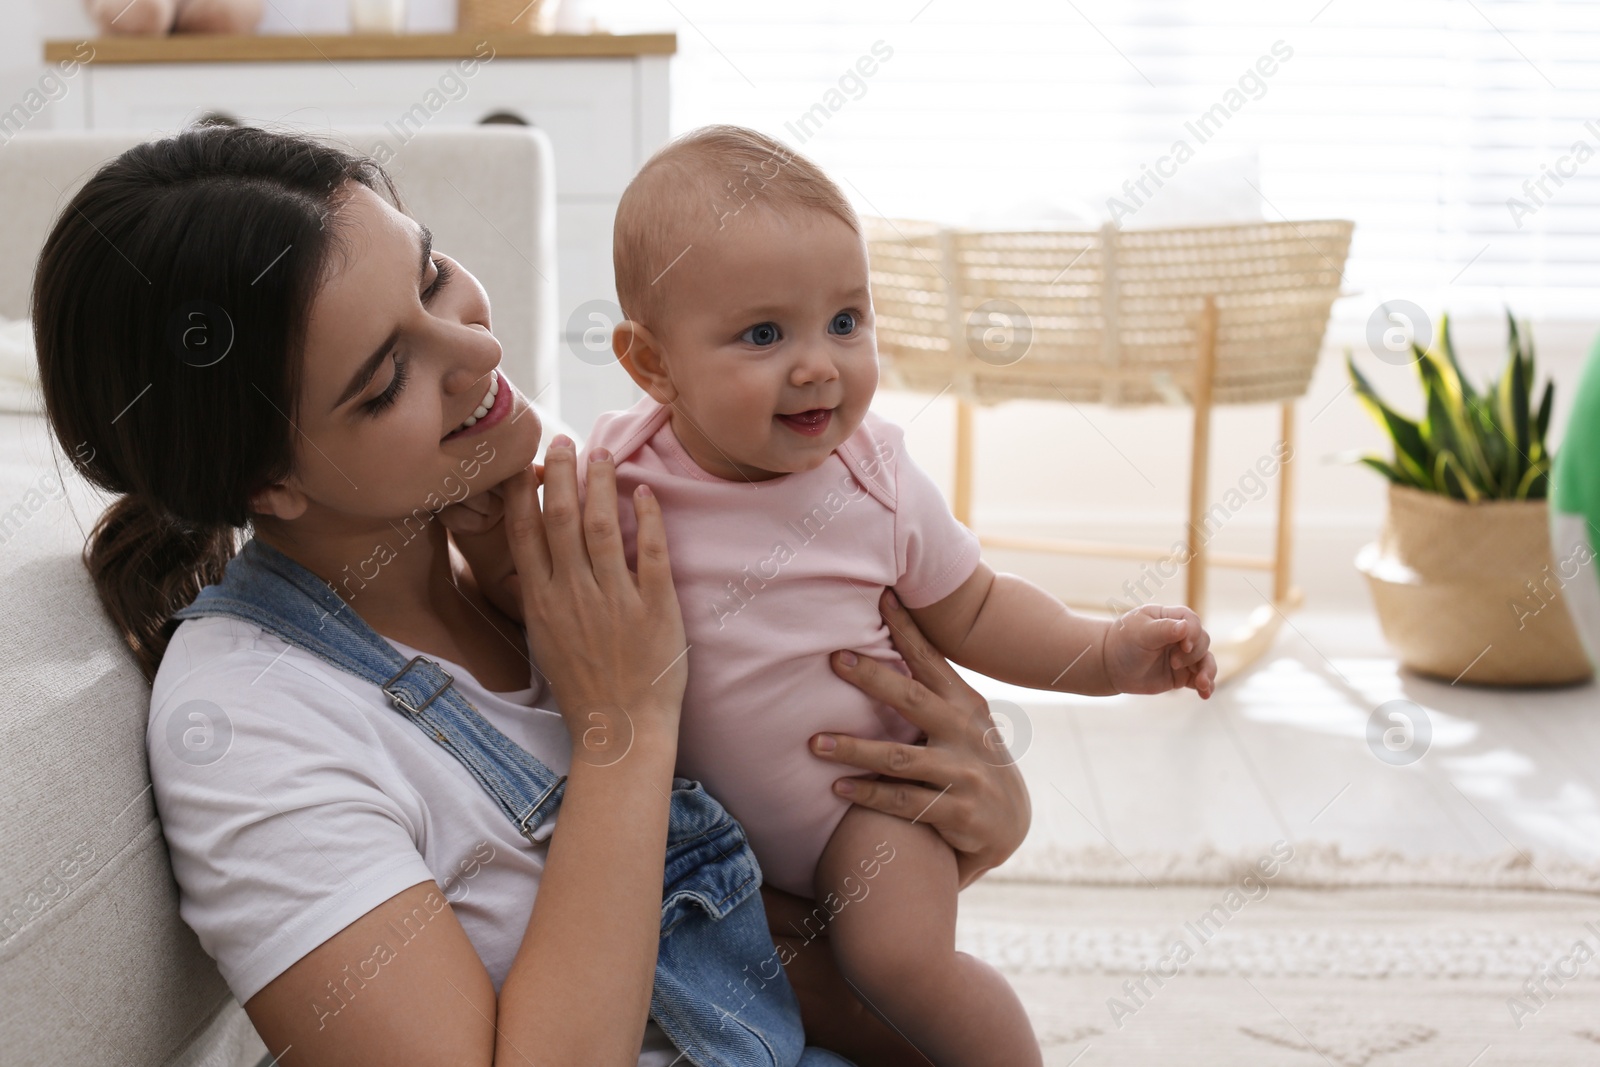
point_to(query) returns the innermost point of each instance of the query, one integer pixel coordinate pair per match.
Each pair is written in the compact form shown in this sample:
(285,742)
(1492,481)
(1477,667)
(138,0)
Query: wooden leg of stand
(1247,644)
(962,507)
(1283,556)
(1200,457)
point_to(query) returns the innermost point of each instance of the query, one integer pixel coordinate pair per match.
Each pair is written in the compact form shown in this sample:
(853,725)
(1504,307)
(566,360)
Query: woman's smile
(490,410)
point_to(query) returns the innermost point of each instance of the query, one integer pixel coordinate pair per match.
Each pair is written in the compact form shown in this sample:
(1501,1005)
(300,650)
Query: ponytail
(146,564)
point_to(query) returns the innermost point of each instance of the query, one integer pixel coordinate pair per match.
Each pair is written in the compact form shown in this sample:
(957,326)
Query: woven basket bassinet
(1103,316)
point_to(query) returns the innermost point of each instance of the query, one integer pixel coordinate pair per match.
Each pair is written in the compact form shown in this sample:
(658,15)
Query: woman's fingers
(476,514)
(897,798)
(563,518)
(881,757)
(650,549)
(601,532)
(462,520)
(525,525)
(927,663)
(911,698)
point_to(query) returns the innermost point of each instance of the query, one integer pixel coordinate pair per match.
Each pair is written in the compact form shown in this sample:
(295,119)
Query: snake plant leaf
(1522,345)
(1526,357)
(1383,467)
(1455,386)
(1448,485)
(1541,422)
(1410,451)
(1445,426)
(1448,347)
(1502,390)
(1511,397)
(1453,478)
(1535,483)
(1503,459)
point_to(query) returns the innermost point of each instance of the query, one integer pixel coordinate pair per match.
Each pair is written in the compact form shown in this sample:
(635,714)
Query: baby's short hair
(685,192)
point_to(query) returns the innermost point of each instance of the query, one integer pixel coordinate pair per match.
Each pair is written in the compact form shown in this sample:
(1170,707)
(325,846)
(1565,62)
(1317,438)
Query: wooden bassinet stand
(1203,315)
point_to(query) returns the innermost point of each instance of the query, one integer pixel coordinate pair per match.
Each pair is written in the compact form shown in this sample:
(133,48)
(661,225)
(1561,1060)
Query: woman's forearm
(579,989)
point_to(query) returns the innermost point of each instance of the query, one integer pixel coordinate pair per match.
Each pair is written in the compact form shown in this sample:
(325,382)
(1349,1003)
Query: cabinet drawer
(586,106)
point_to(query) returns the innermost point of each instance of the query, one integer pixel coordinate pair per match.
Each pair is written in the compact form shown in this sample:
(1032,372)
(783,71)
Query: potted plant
(1462,575)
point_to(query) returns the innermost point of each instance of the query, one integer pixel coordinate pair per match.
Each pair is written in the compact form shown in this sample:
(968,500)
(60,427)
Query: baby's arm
(1008,628)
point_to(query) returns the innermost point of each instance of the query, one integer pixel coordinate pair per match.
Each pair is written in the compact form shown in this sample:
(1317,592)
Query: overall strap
(263,586)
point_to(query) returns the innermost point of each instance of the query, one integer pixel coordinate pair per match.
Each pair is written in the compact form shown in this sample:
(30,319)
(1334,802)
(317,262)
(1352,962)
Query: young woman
(358,760)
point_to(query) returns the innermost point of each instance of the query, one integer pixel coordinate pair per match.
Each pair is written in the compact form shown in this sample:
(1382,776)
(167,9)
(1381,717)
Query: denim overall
(720,993)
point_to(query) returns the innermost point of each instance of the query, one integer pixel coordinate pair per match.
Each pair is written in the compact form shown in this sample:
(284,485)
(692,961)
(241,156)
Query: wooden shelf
(280,48)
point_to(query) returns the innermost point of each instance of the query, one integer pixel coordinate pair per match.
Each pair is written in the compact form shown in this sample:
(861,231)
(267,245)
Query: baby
(789,506)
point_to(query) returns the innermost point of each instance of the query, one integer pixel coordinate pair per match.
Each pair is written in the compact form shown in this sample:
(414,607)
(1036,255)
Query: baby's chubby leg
(892,884)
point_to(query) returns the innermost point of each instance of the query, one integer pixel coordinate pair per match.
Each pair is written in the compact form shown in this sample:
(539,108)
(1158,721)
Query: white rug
(1313,864)
(1273,973)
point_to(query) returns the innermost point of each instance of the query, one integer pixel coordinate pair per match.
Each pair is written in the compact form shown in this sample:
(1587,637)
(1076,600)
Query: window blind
(1462,136)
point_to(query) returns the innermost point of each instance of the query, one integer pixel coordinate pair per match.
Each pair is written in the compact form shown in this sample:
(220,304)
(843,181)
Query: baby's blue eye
(764,334)
(843,323)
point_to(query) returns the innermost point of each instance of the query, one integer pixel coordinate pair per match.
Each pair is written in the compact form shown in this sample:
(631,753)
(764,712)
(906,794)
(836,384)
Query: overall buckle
(399,696)
(522,823)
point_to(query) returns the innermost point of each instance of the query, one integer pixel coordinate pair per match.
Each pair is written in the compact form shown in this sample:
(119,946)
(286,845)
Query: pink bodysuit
(772,577)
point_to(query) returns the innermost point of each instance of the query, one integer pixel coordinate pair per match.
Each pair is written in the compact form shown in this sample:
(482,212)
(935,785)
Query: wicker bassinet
(1103,316)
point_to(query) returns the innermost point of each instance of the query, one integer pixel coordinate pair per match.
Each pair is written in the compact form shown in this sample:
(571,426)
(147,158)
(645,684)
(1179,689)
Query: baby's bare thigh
(894,888)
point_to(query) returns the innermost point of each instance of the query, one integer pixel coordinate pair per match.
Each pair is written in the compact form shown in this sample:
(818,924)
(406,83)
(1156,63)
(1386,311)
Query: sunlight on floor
(1325,740)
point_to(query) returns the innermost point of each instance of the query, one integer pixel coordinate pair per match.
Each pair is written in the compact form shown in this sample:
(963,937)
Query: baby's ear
(641,355)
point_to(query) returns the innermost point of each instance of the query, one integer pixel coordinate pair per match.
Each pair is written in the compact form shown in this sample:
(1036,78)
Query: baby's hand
(1153,649)
(476,528)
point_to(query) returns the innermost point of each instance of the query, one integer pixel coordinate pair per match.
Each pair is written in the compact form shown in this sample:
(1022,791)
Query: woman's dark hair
(170,307)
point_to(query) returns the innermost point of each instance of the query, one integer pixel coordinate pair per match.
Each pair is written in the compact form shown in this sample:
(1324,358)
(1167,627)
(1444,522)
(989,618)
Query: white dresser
(601,98)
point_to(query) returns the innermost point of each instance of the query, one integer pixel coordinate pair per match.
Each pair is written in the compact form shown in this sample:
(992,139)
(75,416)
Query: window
(1463,136)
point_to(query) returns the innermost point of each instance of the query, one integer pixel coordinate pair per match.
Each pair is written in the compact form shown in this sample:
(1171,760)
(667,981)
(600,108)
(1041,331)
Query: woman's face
(371,444)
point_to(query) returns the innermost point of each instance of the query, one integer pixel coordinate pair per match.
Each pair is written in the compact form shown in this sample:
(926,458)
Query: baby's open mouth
(810,423)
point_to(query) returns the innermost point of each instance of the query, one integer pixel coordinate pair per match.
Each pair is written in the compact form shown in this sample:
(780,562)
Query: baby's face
(769,343)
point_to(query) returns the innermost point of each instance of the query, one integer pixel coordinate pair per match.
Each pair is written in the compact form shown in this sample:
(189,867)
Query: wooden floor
(1282,752)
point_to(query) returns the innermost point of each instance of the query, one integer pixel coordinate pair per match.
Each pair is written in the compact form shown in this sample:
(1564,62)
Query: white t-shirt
(295,798)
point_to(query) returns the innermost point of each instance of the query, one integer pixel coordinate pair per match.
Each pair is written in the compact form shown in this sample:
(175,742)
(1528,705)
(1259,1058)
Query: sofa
(96,966)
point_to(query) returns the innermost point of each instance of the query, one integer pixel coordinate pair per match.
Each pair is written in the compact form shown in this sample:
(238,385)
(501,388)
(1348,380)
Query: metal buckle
(522,823)
(399,697)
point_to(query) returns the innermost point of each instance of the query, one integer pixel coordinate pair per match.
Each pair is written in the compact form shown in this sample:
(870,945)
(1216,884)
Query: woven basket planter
(1470,592)
(496,16)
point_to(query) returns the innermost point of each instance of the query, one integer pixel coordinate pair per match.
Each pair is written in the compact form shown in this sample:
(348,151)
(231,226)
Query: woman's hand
(607,639)
(963,782)
(476,530)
